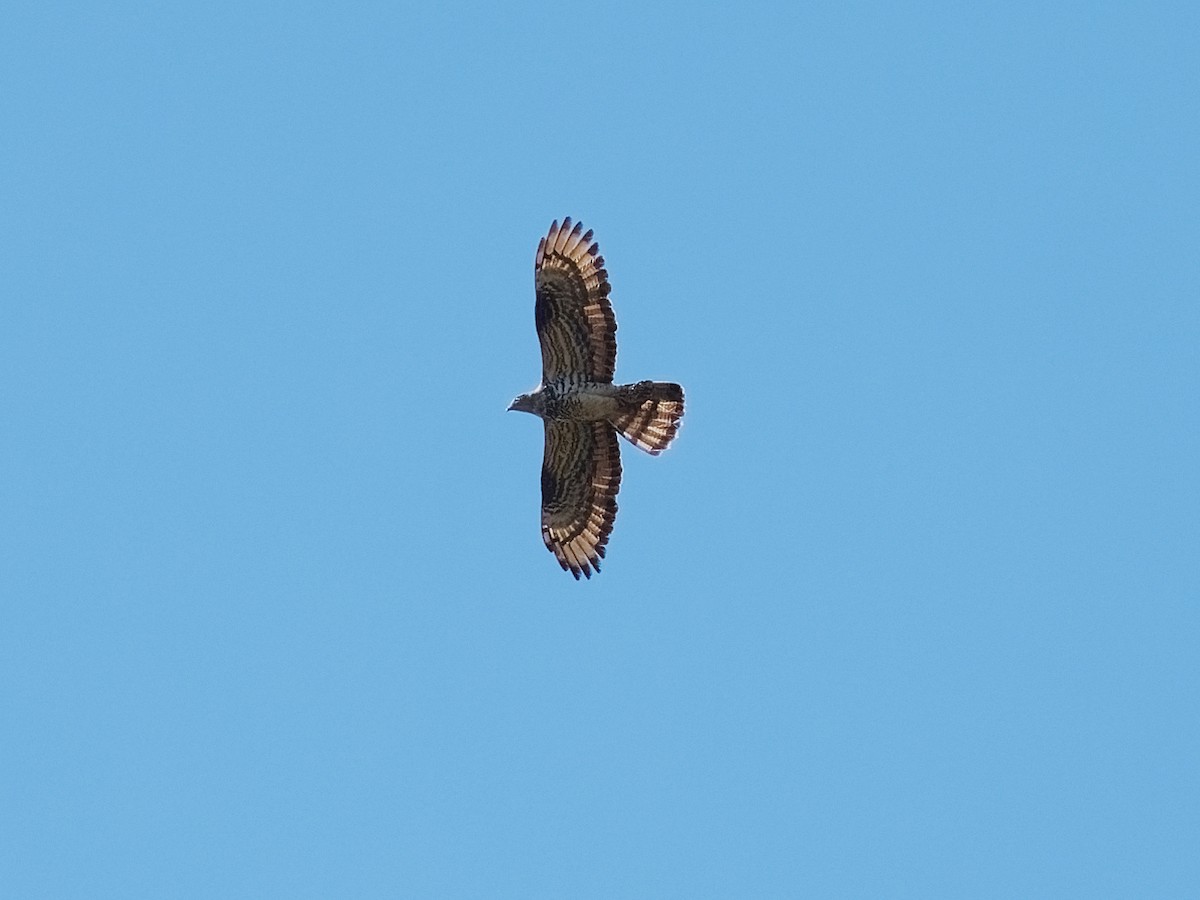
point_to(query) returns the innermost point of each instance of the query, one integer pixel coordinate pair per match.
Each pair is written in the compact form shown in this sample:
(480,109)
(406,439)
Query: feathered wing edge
(581,475)
(572,305)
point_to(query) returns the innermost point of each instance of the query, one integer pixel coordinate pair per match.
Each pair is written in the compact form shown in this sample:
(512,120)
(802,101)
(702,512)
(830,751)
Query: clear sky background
(911,608)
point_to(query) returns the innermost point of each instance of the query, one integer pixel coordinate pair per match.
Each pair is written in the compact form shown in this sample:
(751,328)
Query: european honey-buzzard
(583,411)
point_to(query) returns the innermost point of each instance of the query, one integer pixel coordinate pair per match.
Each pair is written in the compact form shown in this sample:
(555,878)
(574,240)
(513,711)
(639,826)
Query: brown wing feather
(581,474)
(575,322)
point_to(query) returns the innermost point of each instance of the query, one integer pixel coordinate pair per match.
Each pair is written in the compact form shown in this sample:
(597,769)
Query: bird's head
(524,403)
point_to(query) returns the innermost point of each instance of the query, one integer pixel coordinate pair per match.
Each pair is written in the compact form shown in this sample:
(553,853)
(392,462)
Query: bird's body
(574,400)
(582,409)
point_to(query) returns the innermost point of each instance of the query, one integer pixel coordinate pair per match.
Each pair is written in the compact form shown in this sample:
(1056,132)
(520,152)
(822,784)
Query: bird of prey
(583,411)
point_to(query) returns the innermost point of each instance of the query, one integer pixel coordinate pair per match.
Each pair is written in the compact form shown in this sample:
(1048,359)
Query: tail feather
(651,414)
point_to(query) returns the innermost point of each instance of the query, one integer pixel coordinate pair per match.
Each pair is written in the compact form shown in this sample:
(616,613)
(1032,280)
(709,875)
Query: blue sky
(909,610)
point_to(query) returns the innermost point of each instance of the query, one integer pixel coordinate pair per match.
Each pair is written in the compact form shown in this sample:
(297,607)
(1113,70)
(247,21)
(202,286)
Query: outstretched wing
(581,474)
(575,321)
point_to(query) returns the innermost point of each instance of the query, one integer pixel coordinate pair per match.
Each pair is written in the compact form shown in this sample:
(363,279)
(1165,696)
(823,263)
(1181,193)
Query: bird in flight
(583,411)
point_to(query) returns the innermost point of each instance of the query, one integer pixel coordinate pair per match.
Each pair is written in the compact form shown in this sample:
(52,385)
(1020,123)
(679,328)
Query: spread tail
(650,414)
